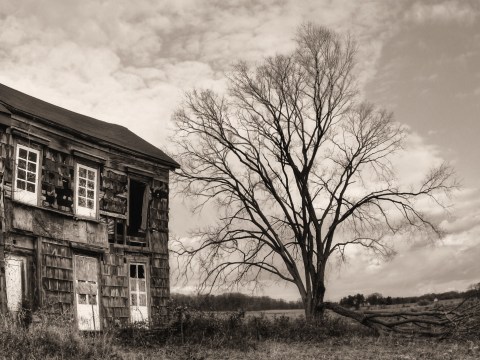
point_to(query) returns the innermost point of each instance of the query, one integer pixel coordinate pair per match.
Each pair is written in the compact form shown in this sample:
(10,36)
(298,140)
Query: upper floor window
(86,191)
(137,208)
(26,174)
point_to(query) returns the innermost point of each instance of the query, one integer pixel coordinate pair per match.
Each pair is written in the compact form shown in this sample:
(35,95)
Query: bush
(424,302)
(238,330)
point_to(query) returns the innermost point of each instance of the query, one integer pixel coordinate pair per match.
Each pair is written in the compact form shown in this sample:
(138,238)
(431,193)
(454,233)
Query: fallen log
(461,320)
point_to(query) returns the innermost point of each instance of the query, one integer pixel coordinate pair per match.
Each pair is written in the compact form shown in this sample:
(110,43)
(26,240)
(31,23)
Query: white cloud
(446,11)
(118,61)
(129,63)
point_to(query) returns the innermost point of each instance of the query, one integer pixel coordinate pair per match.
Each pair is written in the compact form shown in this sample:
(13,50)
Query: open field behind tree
(300,313)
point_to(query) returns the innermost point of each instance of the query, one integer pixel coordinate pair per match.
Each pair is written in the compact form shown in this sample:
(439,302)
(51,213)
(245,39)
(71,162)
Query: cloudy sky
(129,62)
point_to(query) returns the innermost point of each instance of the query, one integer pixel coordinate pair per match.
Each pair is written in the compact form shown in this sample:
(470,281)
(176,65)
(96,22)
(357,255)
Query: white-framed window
(86,191)
(27,162)
(138,293)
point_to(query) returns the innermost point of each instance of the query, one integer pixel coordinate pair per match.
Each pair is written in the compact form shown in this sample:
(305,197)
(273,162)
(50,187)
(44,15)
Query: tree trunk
(313,304)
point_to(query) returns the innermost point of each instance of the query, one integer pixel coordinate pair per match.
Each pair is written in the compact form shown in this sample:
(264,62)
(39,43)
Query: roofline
(172,165)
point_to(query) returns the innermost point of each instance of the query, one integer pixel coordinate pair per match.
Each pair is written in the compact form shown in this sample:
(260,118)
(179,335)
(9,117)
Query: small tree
(375,299)
(298,168)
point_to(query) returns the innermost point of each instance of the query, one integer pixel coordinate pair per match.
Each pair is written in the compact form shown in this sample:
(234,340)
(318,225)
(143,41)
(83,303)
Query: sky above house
(129,62)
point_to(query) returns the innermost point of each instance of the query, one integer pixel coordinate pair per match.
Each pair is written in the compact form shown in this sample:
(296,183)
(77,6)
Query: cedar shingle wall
(57,179)
(159,277)
(57,275)
(114,289)
(113,192)
(55,231)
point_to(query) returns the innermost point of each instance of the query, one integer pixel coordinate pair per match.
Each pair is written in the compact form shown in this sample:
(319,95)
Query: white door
(138,293)
(14,268)
(86,293)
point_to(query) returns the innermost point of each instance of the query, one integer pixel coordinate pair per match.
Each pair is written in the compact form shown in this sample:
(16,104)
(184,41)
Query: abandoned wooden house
(84,216)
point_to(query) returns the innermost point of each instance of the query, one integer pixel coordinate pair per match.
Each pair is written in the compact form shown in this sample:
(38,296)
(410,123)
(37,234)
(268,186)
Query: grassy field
(299,313)
(293,313)
(260,335)
(353,348)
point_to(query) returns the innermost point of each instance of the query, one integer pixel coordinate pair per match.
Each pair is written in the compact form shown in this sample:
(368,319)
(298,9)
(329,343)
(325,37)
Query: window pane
(91,175)
(93,300)
(143,299)
(133,298)
(82,298)
(90,194)
(133,271)
(141,271)
(20,185)
(22,153)
(31,187)
(32,156)
(81,202)
(90,204)
(133,285)
(82,172)
(90,185)
(81,192)
(32,167)
(22,164)
(31,177)
(82,182)
(21,174)
(141,285)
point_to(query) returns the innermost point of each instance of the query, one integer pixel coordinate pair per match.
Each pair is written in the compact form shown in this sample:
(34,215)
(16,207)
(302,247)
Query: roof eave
(172,165)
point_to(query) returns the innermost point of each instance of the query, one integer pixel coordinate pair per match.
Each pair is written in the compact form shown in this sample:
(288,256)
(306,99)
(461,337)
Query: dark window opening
(116,231)
(137,221)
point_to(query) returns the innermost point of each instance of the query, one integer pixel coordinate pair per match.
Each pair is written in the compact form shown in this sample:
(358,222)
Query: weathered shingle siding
(50,235)
(57,275)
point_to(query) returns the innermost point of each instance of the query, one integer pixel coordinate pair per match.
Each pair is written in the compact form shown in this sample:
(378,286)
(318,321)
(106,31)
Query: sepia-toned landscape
(229,180)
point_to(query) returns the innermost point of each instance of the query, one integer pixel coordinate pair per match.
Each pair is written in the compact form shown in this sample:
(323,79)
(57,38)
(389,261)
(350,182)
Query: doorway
(15,278)
(86,293)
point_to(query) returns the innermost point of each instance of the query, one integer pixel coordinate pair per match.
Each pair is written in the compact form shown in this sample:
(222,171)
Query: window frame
(23,195)
(138,237)
(84,210)
(137,292)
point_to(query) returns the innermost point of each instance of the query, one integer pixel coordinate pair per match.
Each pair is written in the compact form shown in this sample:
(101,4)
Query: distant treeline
(378,299)
(233,302)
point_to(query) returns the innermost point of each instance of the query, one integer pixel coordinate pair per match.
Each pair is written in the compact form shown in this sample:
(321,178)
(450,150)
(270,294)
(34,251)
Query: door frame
(99,285)
(23,276)
(135,260)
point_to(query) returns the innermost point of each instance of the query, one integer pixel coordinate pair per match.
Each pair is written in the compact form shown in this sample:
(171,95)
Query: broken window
(57,177)
(116,230)
(137,208)
(86,191)
(26,174)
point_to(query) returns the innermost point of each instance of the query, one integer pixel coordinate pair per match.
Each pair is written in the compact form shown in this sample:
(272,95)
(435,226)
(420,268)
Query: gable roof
(20,103)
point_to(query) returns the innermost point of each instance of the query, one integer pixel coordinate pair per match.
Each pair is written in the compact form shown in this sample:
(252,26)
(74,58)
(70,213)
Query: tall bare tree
(298,167)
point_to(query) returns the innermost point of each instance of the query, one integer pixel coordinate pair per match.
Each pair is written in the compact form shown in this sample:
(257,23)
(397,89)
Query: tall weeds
(51,337)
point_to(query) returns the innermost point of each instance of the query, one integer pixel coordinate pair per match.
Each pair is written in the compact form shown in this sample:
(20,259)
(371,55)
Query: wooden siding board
(56,228)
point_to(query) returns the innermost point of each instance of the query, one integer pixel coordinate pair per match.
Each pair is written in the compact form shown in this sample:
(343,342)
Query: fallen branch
(461,320)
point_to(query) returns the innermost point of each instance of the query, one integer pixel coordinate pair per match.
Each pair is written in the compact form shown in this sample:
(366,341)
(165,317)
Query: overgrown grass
(54,337)
(200,335)
(236,331)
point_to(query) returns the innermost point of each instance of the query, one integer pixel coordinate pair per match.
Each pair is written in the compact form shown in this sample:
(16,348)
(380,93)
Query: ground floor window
(138,293)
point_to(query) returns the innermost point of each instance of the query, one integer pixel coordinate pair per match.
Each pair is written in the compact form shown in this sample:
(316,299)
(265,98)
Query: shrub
(424,302)
(236,330)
